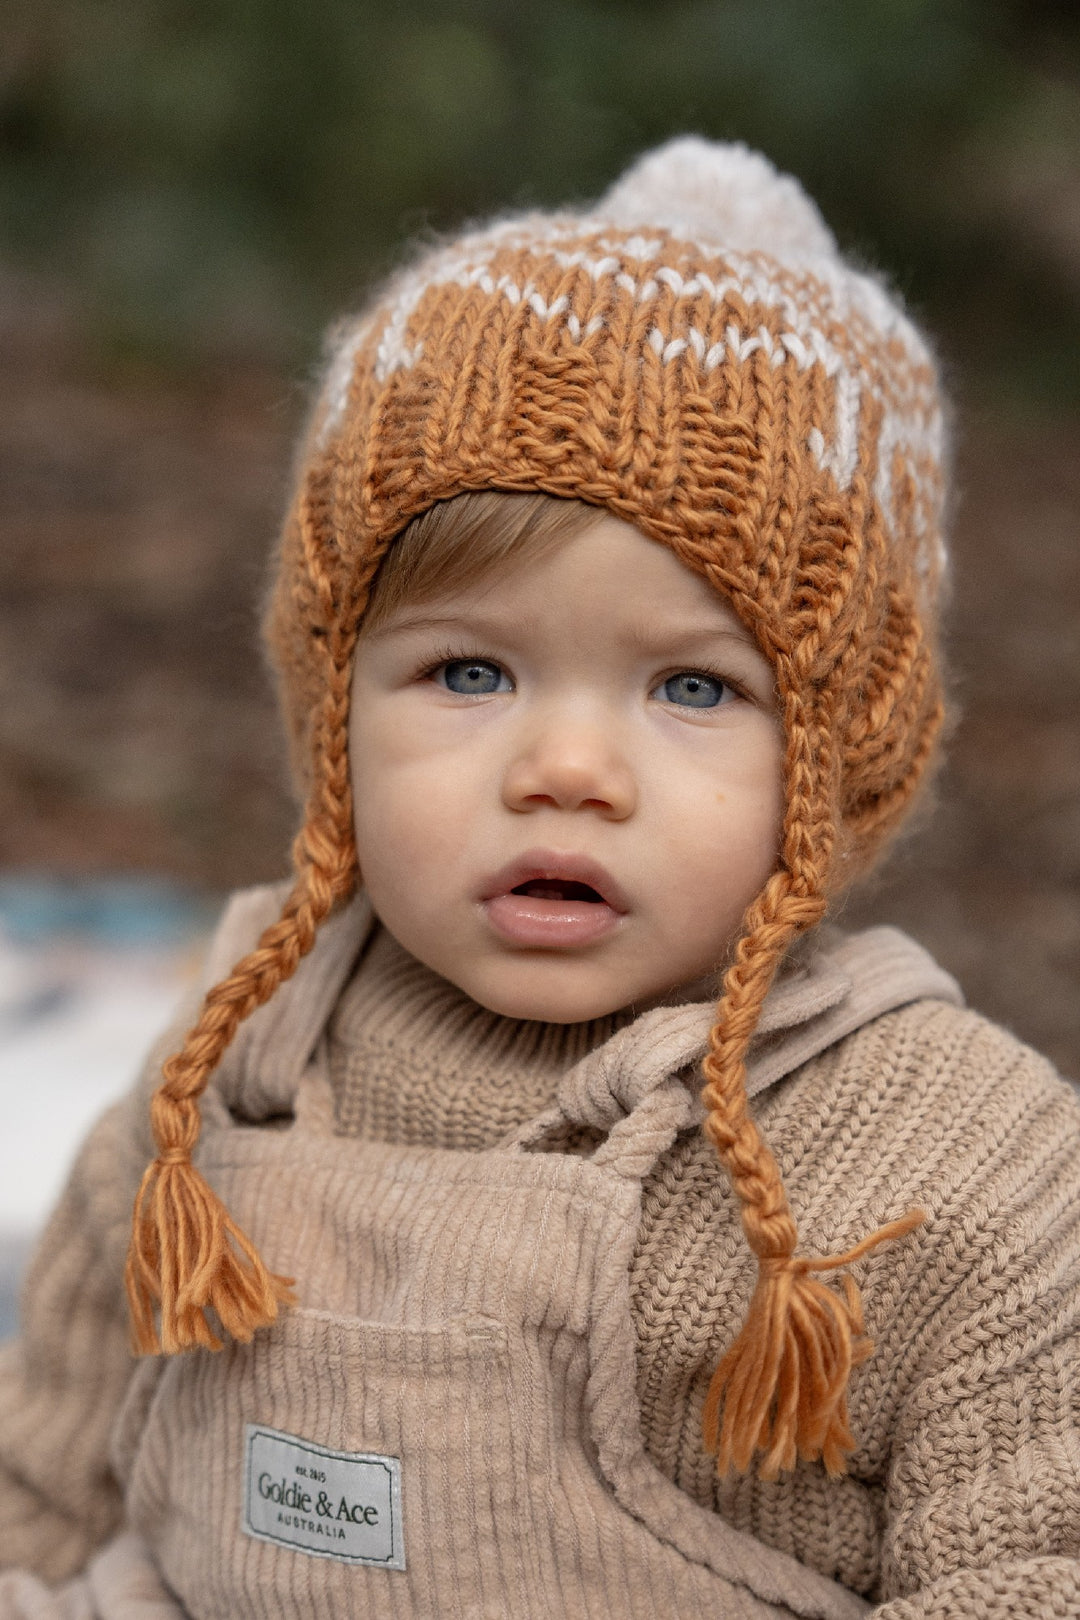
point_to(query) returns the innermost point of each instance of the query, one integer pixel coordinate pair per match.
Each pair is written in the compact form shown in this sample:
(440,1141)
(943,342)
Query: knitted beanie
(692,355)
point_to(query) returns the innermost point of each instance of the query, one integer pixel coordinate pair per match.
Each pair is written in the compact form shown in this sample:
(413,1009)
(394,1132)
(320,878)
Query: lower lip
(526,920)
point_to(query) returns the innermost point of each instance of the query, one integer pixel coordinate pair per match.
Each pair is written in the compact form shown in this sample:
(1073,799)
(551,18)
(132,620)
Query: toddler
(548,1212)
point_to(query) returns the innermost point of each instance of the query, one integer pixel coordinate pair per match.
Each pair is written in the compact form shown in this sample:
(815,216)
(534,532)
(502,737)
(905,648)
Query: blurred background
(189,191)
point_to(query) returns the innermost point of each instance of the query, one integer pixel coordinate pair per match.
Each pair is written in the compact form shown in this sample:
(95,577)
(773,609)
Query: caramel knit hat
(693,355)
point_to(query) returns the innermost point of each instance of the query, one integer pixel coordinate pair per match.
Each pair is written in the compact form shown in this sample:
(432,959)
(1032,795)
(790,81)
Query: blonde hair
(461,543)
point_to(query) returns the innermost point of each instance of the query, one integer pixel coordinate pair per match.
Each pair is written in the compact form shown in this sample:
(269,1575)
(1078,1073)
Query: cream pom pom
(721,193)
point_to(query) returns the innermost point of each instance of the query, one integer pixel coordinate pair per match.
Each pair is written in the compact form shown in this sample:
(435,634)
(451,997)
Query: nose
(570,764)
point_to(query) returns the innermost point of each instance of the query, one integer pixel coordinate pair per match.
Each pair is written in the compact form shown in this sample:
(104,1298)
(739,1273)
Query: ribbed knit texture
(62,1382)
(415,1060)
(964,1493)
(402,1035)
(967,1415)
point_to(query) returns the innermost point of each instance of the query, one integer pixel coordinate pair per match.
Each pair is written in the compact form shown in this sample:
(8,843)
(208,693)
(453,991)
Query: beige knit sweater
(875,1089)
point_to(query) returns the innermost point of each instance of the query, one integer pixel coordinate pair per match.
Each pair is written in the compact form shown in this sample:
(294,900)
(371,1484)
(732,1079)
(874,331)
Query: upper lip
(553,864)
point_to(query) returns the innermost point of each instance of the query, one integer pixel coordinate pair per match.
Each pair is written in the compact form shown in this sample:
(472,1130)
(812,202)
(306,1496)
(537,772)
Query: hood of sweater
(413,1059)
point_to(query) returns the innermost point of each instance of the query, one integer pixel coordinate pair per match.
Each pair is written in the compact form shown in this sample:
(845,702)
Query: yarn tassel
(783,1383)
(187,1258)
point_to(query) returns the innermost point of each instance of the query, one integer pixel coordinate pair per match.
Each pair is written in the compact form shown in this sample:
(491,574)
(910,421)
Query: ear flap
(891,732)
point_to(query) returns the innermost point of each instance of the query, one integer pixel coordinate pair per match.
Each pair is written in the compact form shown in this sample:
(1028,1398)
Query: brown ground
(137,731)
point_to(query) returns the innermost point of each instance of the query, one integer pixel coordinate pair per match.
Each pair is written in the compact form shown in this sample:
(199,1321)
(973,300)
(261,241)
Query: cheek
(379,794)
(407,817)
(723,826)
(756,816)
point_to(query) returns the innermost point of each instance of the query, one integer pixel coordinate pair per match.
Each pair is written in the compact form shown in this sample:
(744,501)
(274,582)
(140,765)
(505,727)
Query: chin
(543,1005)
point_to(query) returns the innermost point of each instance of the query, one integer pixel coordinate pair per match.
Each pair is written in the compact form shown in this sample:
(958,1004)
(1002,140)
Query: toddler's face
(567,780)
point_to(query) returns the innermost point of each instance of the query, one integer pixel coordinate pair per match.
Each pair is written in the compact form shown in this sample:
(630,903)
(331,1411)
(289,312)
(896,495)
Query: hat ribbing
(693,356)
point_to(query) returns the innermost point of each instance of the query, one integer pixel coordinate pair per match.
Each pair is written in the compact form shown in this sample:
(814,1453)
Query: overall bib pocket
(316,1464)
(446,1429)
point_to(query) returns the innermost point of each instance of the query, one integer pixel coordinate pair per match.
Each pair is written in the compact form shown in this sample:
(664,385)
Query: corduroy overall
(453,1398)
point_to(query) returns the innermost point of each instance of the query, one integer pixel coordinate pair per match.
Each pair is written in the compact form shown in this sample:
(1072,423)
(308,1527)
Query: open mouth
(551,913)
(559,889)
(550,899)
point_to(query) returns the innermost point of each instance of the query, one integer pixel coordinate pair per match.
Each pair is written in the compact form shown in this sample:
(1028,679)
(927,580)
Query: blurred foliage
(223,177)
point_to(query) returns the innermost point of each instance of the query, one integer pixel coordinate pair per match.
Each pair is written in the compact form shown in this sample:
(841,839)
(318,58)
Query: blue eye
(473,675)
(690,689)
(693,690)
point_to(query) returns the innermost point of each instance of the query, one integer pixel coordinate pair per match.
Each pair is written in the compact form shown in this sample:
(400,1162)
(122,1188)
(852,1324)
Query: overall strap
(838,984)
(630,1088)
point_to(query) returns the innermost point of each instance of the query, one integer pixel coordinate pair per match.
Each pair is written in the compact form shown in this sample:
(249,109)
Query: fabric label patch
(335,1504)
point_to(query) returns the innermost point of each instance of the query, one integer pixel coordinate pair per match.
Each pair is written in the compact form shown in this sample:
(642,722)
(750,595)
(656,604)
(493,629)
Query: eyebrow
(643,637)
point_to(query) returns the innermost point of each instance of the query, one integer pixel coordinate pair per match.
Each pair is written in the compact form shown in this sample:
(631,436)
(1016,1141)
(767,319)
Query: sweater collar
(831,986)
